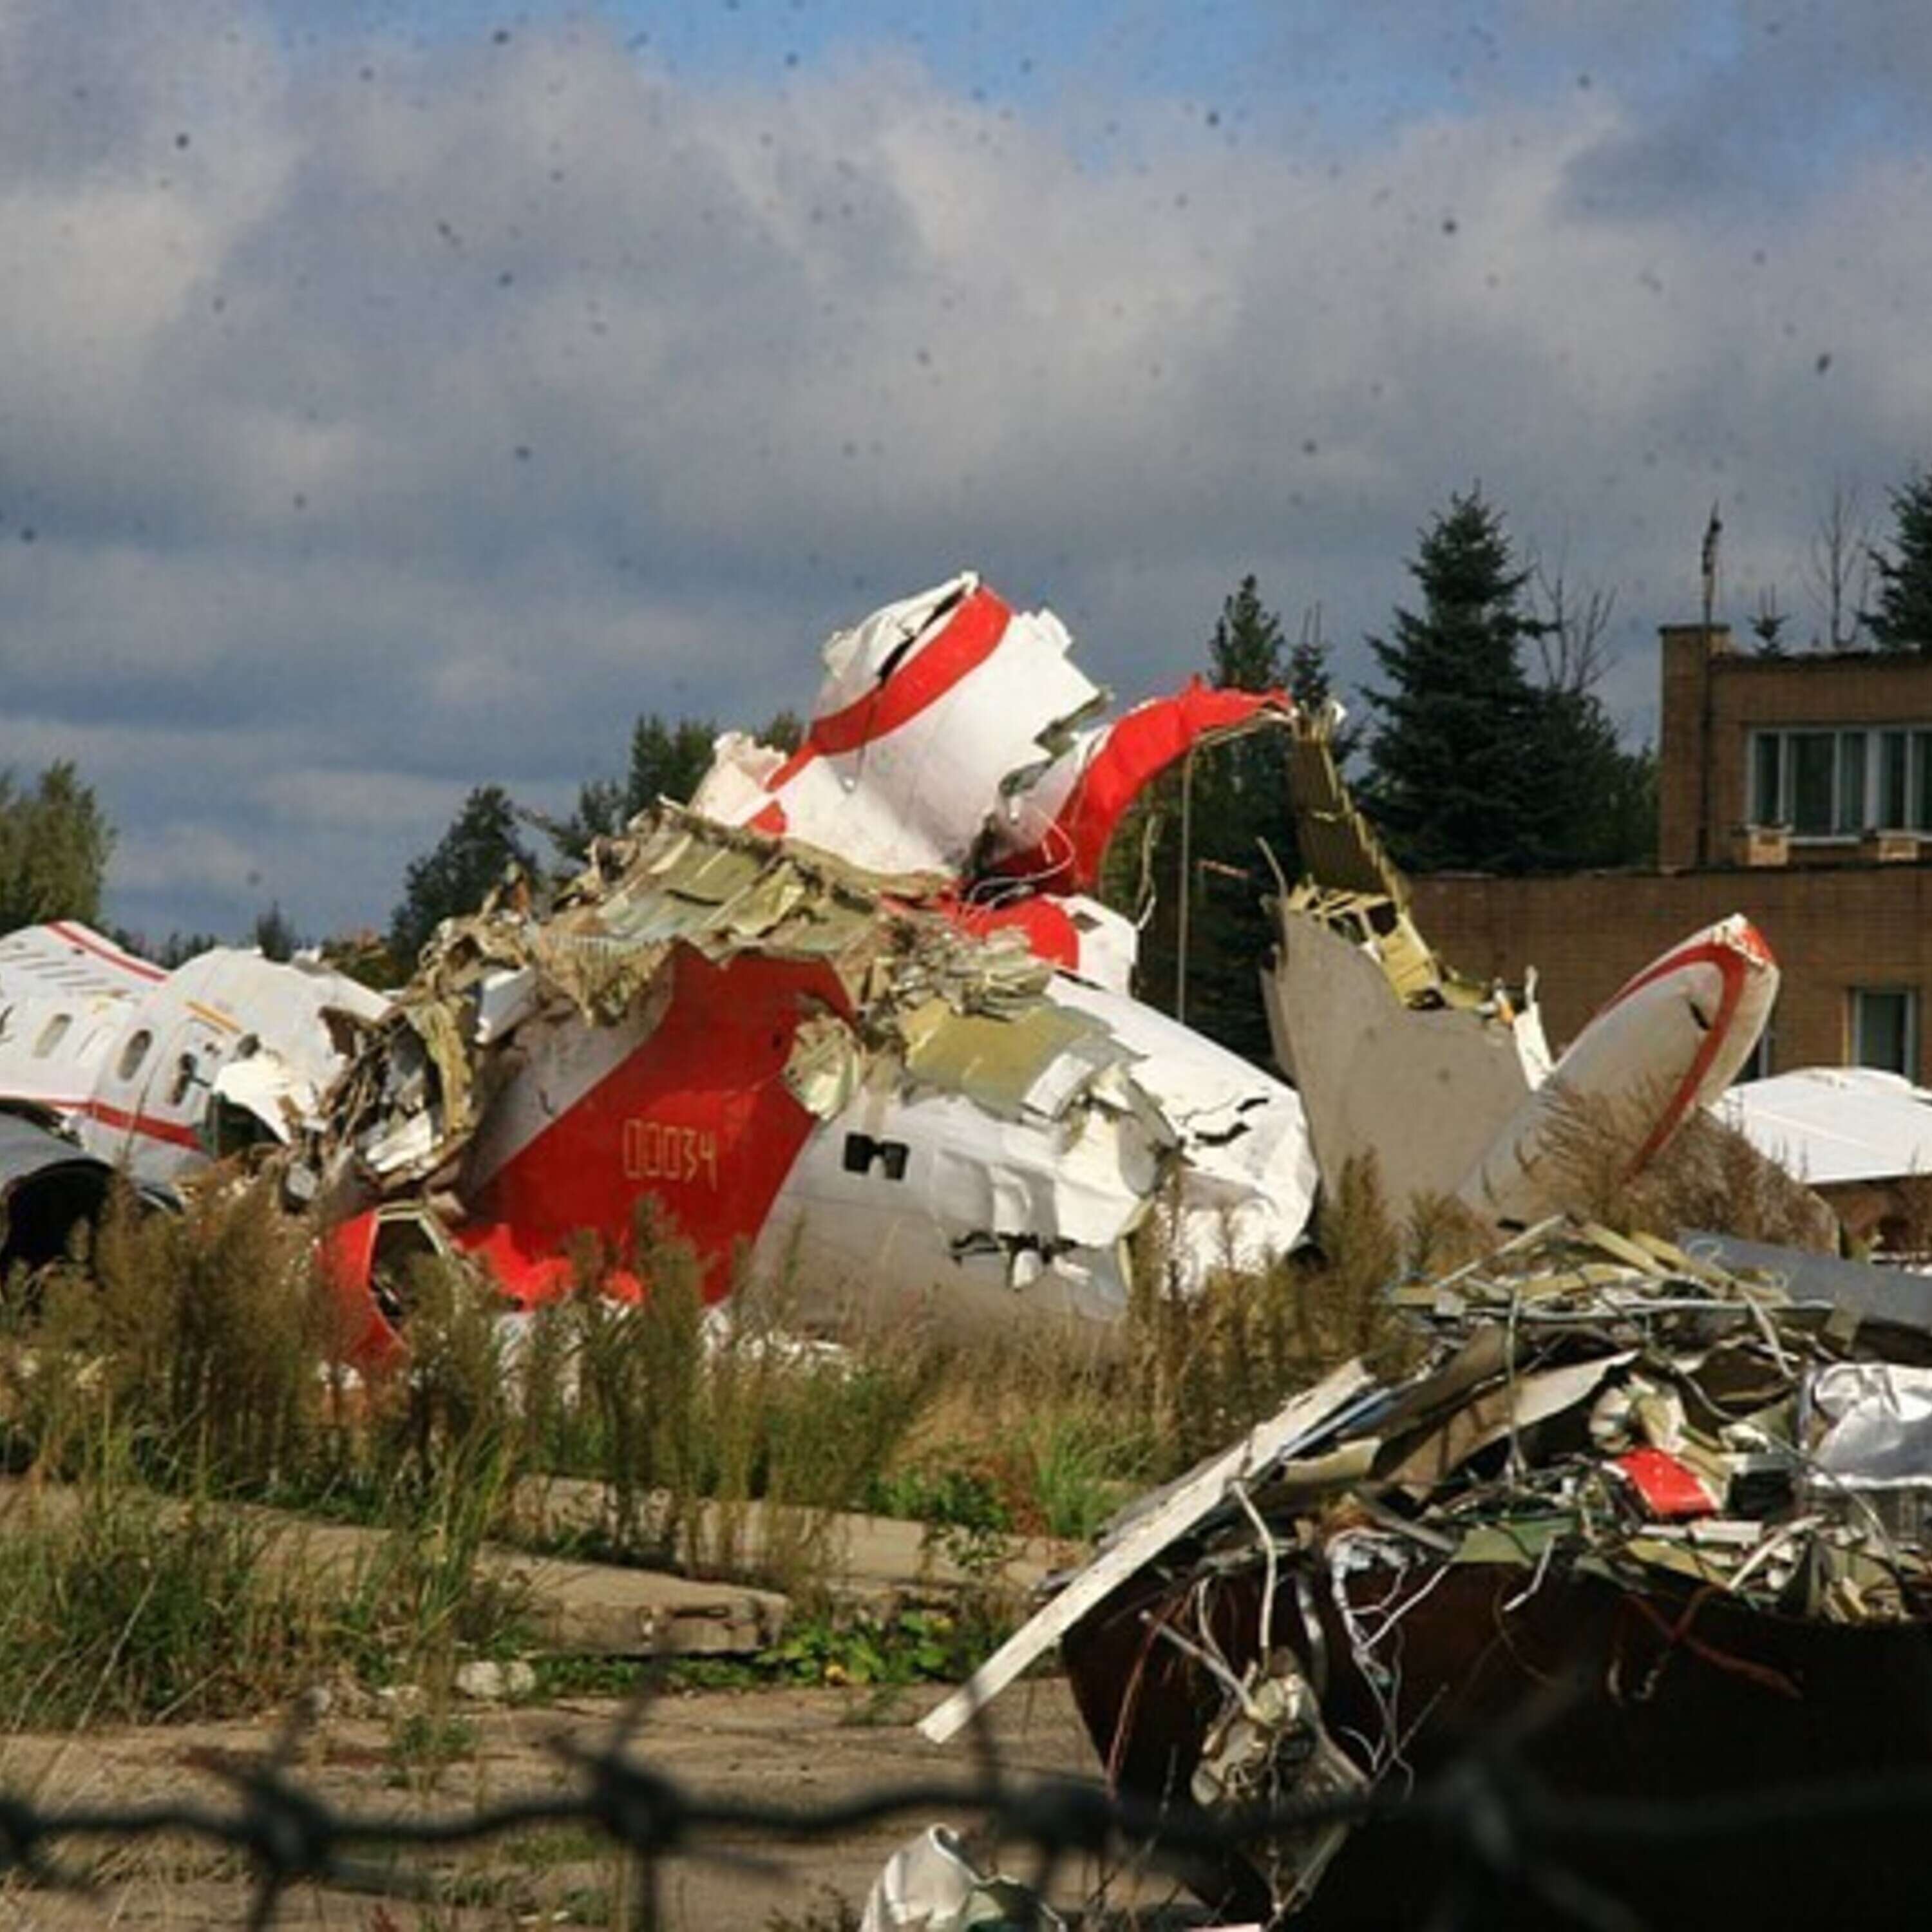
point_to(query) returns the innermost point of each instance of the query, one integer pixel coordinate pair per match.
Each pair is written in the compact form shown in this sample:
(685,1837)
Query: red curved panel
(1132,754)
(698,1117)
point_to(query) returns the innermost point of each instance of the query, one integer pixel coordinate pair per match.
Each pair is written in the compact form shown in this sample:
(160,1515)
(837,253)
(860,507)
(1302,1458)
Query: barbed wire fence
(1502,1836)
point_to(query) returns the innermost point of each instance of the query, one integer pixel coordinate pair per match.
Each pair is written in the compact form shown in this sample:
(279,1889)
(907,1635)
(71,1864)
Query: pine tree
(1455,781)
(275,937)
(475,854)
(54,844)
(1311,685)
(1903,621)
(1234,796)
(668,760)
(1599,803)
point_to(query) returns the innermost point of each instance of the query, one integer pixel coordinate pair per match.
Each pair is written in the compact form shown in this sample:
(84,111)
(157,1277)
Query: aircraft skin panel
(124,1054)
(65,957)
(1672,1038)
(698,1115)
(1078,803)
(912,734)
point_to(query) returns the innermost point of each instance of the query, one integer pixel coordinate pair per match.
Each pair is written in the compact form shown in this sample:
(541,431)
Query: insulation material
(1874,1421)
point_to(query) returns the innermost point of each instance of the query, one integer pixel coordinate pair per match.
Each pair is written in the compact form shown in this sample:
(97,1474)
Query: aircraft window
(184,1080)
(52,1034)
(861,1150)
(133,1053)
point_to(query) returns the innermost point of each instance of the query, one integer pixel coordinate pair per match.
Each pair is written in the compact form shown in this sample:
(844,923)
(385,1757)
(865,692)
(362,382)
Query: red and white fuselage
(951,770)
(156,1072)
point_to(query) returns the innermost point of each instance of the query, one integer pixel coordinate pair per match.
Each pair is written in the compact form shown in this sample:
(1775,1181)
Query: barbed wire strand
(1502,1831)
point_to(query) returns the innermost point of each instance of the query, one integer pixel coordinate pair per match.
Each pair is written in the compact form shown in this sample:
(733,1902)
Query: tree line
(1482,745)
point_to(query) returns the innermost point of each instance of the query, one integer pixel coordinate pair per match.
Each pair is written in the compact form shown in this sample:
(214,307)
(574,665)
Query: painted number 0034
(661,1151)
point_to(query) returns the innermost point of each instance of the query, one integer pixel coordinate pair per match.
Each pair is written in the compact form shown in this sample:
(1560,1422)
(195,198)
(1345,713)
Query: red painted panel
(1136,750)
(1049,927)
(969,637)
(1671,1489)
(698,1116)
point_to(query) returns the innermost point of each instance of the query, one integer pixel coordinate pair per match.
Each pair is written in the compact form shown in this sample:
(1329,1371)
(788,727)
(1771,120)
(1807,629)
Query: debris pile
(817,1060)
(1620,1407)
(1701,1502)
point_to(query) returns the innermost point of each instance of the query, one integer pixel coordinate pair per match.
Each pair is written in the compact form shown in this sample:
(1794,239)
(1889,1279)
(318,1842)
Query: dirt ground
(793,1747)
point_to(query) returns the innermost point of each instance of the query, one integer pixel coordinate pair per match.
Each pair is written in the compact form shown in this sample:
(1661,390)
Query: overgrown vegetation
(163,1388)
(1707,1176)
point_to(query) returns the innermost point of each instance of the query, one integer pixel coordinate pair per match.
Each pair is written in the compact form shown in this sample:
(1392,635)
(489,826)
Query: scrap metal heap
(1695,1503)
(796,1051)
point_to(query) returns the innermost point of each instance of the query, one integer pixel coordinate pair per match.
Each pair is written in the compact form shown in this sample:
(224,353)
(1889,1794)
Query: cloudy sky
(395,397)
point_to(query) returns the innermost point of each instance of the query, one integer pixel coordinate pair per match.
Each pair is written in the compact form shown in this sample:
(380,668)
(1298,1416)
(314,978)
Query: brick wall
(1832,928)
(1861,688)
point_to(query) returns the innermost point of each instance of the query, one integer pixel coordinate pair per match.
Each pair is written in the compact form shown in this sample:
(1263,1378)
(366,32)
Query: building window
(1892,787)
(1885,1029)
(1809,754)
(1767,802)
(1831,784)
(1757,1062)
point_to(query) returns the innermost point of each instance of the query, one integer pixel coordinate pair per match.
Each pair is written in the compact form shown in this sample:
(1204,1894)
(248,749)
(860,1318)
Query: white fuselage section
(157,1072)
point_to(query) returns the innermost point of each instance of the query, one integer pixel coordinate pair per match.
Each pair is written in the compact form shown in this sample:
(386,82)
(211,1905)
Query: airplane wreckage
(856,1006)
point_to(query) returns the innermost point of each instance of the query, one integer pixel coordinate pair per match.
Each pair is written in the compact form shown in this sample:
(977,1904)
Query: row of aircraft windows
(132,1055)
(57,1029)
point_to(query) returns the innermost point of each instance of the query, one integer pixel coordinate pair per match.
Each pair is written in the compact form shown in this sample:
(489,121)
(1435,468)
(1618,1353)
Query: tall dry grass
(180,1366)
(1706,1176)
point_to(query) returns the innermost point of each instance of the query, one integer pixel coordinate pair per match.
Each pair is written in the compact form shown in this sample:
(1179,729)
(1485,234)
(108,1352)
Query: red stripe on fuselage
(698,1116)
(1732,958)
(971,636)
(177,1133)
(1136,749)
(87,943)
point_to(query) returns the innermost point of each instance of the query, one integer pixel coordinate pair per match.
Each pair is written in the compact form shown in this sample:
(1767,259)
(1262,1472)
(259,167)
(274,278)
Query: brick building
(1797,791)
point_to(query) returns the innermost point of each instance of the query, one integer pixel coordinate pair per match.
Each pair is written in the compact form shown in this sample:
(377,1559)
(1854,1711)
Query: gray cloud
(388,421)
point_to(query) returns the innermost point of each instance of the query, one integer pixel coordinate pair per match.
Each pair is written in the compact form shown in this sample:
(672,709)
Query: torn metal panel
(930,1885)
(160,1072)
(1349,884)
(1424,1090)
(1244,1184)
(792,1053)
(1057,820)
(927,707)
(1034,1062)
(1296,1425)
(1873,1423)
(1891,1294)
